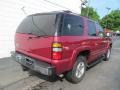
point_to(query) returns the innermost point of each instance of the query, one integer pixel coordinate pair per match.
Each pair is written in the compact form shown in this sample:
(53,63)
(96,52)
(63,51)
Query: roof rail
(67,11)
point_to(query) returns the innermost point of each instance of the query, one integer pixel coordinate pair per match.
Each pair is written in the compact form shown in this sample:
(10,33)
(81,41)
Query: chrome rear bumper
(36,65)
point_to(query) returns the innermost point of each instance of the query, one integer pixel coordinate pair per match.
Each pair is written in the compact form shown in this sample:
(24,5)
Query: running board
(95,62)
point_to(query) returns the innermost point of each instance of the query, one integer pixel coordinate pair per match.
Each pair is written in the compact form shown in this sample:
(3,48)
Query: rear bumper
(33,64)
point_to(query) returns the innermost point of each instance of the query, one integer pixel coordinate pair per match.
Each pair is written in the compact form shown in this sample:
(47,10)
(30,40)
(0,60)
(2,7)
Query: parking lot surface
(103,76)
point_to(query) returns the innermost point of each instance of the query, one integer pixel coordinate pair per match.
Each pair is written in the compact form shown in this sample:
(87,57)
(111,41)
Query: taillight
(56,51)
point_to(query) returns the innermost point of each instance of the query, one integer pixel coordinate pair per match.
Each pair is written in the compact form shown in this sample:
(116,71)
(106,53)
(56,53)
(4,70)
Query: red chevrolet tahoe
(57,43)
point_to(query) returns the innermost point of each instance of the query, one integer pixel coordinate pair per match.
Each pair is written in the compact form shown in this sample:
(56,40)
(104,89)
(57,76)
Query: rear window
(38,25)
(73,25)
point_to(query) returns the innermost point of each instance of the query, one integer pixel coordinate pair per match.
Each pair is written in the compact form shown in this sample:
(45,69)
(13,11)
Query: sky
(101,5)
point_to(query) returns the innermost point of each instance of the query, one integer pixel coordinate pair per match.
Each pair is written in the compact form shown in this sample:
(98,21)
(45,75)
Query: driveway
(103,76)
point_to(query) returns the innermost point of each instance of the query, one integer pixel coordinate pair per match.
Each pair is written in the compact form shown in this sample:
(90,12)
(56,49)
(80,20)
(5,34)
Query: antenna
(23,9)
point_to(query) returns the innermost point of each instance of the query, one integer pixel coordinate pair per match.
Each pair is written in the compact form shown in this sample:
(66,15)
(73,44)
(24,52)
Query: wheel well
(84,53)
(111,45)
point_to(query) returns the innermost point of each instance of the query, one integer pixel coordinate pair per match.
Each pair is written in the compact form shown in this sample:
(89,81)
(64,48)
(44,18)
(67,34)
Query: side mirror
(100,34)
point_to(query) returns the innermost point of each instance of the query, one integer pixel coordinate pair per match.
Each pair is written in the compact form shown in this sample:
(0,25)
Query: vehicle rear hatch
(34,36)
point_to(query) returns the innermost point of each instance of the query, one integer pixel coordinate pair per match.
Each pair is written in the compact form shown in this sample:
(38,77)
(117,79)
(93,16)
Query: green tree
(112,20)
(90,13)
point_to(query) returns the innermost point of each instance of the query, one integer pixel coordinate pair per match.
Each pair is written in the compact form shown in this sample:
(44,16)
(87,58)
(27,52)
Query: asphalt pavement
(103,76)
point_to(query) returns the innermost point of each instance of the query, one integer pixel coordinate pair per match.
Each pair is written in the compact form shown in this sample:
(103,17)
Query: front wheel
(107,55)
(78,71)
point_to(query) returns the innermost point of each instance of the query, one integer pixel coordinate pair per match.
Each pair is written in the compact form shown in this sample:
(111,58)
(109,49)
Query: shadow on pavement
(44,77)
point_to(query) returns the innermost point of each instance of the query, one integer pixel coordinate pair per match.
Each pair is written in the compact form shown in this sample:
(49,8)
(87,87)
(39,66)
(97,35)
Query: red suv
(60,43)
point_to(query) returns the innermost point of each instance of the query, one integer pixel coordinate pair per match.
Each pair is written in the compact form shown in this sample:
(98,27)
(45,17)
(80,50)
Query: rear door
(102,40)
(71,34)
(93,40)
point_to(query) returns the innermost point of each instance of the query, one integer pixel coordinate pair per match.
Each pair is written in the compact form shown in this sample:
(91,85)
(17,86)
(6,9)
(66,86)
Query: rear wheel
(107,55)
(78,71)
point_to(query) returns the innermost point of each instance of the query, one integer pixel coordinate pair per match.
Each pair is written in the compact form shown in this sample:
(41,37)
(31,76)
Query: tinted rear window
(73,25)
(38,25)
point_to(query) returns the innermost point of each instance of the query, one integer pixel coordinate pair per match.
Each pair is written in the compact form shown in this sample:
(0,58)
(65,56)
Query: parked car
(60,43)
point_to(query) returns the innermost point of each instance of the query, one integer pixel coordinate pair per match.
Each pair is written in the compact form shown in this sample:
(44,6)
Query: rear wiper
(38,36)
(38,29)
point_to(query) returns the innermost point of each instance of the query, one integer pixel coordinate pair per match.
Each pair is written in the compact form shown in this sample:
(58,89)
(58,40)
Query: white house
(12,13)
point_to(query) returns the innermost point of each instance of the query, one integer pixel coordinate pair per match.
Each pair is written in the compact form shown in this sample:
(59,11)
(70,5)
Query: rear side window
(38,25)
(99,28)
(91,28)
(73,25)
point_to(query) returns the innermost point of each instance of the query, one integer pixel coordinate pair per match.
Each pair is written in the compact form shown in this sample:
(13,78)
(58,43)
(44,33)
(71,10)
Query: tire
(53,78)
(78,71)
(107,55)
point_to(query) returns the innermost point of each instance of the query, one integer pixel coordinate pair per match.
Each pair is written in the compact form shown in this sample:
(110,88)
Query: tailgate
(38,48)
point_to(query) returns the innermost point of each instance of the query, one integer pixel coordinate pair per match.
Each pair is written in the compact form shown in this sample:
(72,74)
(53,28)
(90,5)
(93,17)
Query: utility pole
(107,14)
(88,8)
(83,4)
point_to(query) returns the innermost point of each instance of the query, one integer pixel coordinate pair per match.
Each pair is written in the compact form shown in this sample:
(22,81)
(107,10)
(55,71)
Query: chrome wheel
(108,54)
(80,69)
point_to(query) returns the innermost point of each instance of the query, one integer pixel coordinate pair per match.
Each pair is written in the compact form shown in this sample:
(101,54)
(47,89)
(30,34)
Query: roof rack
(68,11)
(64,11)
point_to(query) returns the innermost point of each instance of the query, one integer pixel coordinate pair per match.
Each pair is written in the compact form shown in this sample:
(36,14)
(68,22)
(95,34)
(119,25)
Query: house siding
(12,12)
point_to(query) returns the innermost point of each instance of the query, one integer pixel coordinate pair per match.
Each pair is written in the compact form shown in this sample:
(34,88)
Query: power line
(52,4)
(58,5)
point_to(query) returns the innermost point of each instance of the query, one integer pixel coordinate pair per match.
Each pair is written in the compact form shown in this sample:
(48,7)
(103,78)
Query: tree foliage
(112,20)
(90,13)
